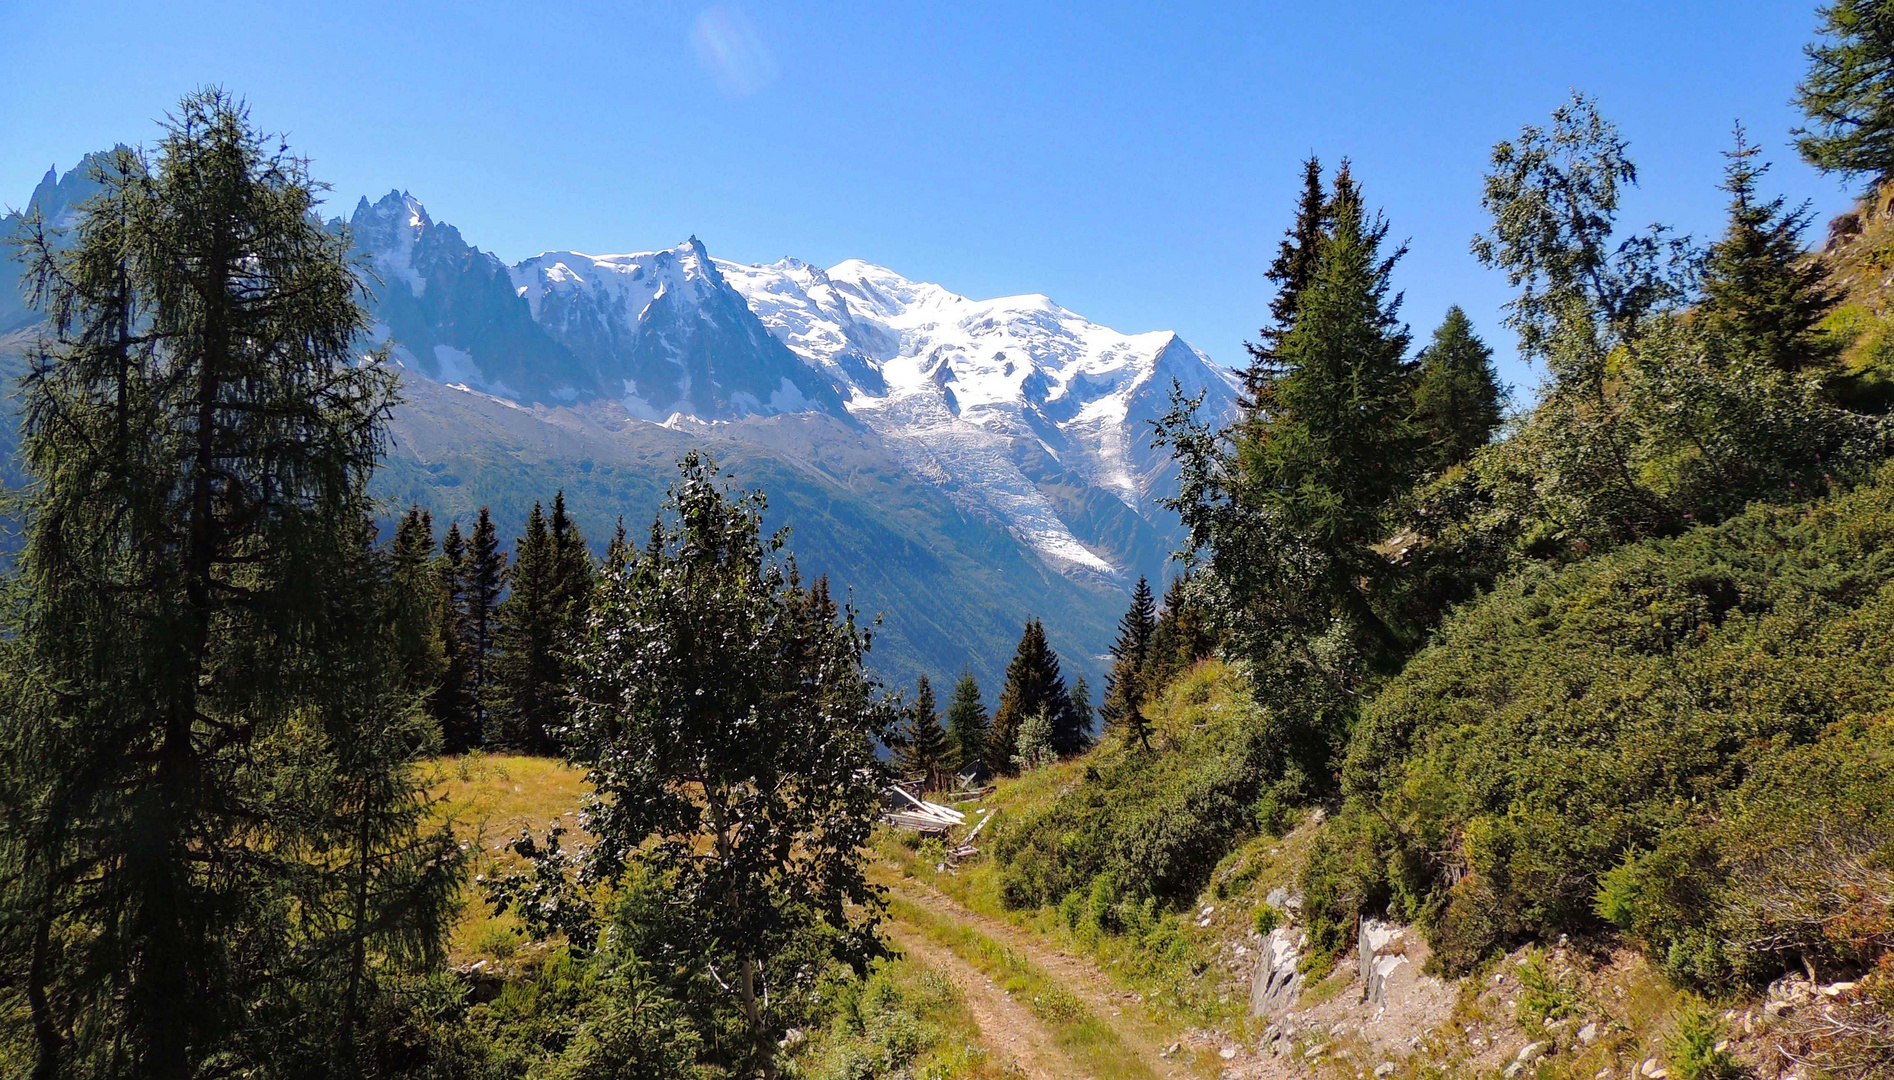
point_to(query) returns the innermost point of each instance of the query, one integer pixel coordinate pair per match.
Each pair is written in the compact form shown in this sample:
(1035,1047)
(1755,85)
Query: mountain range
(955,466)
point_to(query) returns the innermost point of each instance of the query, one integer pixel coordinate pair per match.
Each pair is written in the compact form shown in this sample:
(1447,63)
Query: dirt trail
(1009,1031)
(1113,1006)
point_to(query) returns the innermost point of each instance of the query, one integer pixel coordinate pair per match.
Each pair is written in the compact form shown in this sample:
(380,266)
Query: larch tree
(209,727)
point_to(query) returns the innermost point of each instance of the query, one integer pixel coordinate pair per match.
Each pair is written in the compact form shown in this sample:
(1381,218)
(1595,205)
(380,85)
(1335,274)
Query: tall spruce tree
(211,728)
(573,574)
(1035,685)
(1181,637)
(1763,294)
(924,748)
(1848,93)
(1336,448)
(415,613)
(967,723)
(1458,400)
(453,704)
(1124,688)
(525,692)
(1290,272)
(483,579)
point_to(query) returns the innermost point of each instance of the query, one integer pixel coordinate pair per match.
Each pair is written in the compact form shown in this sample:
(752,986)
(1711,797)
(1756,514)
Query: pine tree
(1293,268)
(1848,94)
(1764,296)
(1082,709)
(924,748)
(1457,395)
(1034,685)
(618,552)
(967,723)
(1336,448)
(482,580)
(211,728)
(1124,689)
(525,692)
(453,704)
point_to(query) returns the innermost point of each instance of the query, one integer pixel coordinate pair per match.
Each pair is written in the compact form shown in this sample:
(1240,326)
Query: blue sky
(1137,162)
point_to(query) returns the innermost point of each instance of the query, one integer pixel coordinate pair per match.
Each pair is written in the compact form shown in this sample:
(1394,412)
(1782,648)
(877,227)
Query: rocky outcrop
(1278,981)
(1383,950)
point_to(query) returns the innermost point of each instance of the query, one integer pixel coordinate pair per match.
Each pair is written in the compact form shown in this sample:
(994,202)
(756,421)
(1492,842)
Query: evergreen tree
(1034,685)
(1329,458)
(1763,295)
(1181,637)
(924,748)
(1848,94)
(729,731)
(415,615)
(214,847)
(574,573)
(1082,708)
(1457,395)
(1292,269)
(482,580)
(453,704)
(618,553)
(967,723)
(1124,689)
(525,694)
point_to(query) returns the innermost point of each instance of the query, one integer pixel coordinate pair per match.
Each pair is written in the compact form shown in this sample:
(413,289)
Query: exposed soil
(1008,1030)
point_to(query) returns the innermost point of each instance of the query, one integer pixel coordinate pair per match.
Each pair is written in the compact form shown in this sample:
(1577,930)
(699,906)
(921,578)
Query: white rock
(1588,1034)
(1532,1052)
(1386,1068)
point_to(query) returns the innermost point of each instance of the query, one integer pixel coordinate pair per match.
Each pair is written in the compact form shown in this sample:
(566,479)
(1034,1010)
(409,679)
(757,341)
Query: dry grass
(489,798)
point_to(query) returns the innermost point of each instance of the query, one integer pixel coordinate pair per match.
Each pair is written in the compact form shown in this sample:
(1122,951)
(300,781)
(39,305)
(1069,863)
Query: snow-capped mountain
(1017,408)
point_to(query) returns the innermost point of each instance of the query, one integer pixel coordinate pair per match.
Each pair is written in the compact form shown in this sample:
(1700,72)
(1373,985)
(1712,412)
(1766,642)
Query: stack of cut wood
(929,818)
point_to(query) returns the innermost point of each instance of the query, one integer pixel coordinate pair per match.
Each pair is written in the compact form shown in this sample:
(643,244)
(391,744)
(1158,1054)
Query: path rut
(1007,1029)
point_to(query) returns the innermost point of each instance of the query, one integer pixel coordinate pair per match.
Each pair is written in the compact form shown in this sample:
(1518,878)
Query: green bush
(1603,743)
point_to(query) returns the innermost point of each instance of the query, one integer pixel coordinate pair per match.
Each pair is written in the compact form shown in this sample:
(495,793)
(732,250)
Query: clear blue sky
(1135,162)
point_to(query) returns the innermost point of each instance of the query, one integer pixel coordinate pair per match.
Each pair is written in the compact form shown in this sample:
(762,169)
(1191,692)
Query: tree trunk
(45,1031)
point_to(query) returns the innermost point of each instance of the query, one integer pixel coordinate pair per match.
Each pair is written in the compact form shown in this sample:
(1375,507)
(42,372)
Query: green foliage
(1124,686)
(538,627)
(215,851)
(1268,917)
(1580,744)
(730,734)
(1159,823)
(1848,93)
(1547,993)
(923,749)
(1691,1050)
(1034,687)
(1035,744)
(1457,397)
(1290,272)
(967,722)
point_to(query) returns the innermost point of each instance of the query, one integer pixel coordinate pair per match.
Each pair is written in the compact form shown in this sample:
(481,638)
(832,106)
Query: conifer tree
(967,723)
(1034,685)
(525,693)
(1124,688)
(1763,295)
(618,552)
(1457,395)
(1180,638)
(482,580)
(453,704)
(416,614)
(1848,94)
(212,728)
(1290,272)
(1336,448)
(924,748)
(574,574)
